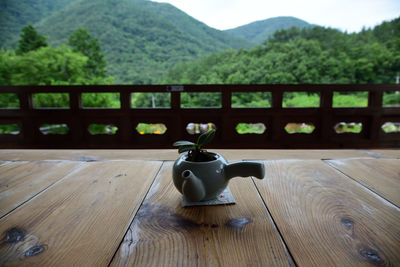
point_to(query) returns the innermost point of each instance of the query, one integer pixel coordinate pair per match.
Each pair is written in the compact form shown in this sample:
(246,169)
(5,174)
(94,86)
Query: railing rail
(175,118)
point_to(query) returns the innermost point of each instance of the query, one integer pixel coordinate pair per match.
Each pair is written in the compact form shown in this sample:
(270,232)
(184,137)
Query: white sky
(350,15)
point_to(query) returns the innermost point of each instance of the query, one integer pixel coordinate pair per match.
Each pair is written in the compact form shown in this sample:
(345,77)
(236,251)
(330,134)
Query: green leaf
(183,143)
(186,148)
(206,138)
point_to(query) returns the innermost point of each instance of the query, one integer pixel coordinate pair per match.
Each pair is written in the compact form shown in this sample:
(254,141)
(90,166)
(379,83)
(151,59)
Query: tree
(82,42)
(5,67)
(30,40)
(44,66)
(48,66)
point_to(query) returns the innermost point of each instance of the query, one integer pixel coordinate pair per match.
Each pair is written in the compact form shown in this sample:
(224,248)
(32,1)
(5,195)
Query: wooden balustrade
(323,118)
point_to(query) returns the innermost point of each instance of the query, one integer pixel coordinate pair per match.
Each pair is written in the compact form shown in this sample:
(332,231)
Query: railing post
(276,131)
(277,97)
(175,100)
(28,127)
(77,124)
(375,98)
(325,119)
(125,127)
(176,110)
(226,98)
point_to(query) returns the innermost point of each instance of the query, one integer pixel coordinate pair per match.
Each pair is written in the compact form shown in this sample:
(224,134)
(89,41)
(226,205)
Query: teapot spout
(192,187)
(245,169)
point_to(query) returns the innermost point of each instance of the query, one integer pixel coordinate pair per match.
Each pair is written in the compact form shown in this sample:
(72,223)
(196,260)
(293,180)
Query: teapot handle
(245,169)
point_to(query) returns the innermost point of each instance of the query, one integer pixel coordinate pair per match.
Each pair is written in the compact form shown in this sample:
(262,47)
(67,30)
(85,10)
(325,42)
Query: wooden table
(119,207)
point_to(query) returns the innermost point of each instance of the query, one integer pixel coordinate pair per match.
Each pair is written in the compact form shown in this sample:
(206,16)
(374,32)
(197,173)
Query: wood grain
(21,181)
(172,154)
(165,234)
(327,219)
(81,220)
(380,175)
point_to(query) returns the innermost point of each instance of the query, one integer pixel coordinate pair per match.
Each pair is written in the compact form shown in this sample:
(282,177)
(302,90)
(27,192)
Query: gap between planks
(134,215)
(326,218)
(369,184)
(46,184)
(163,232)
(62,220)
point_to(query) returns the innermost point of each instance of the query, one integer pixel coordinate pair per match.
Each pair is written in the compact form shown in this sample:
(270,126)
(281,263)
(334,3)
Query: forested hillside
(14,15)
(139,38)
(259,31)
(144,42)
(308,55)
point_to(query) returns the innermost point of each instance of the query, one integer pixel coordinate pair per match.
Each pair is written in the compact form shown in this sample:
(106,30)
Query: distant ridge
(259,31)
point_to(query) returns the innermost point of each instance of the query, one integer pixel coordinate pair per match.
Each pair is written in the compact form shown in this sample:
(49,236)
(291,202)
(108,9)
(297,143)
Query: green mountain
(259,31)
(139,38)
(14,15)
(302,56)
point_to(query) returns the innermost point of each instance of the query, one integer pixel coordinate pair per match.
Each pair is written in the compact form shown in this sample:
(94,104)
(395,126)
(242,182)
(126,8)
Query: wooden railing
(324,118)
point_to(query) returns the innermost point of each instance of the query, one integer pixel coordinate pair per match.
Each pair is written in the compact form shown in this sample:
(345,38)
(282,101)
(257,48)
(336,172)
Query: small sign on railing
(175,88)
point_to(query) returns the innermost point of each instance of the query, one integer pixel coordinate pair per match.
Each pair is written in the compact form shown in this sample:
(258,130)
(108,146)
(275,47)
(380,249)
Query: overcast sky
(350,15)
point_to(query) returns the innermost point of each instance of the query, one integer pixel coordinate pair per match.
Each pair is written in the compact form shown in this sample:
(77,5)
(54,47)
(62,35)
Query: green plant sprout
(195,153)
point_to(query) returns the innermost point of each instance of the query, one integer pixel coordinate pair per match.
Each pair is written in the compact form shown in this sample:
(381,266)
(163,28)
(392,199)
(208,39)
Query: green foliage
(390,127)
(250,128)
(151,128)
(302,128)
(38,64)
(200,100)
(30,40)
(108,129)
(82,42)
(391,98)
(12,128)
(101,100)
(251,99)
(151,100)
(44,66)
(51,100)
(194,149)
(62,129)
(351,127)
(300,100)
(350,99)
(9,100)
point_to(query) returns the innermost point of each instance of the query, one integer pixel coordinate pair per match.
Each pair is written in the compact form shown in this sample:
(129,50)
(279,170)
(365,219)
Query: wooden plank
(164,233)
(380,175)
(327,219)
(385,153)
(88,155)
(306,154)
(21,181)
(79,221)
(172,154)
